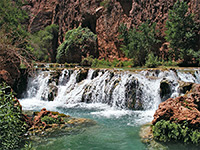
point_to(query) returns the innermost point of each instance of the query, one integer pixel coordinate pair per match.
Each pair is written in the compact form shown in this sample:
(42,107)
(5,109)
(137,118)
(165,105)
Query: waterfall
(134,90)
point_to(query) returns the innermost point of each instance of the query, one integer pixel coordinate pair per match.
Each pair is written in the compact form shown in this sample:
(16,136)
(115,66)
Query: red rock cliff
(104,21)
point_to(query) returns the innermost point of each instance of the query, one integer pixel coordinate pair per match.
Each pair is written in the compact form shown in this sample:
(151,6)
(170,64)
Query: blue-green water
(107,95)
(115,130)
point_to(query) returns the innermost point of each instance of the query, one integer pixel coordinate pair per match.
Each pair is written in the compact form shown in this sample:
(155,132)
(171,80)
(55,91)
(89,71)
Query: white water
(109,93)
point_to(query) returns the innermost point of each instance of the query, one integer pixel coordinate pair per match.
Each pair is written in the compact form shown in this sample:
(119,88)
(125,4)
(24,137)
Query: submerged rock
(146,136)
(48,123)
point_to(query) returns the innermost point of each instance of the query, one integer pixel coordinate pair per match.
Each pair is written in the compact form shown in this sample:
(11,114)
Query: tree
(181,32)
(12,127)
(11,22)
(78,43)
(140,42)
(44,44)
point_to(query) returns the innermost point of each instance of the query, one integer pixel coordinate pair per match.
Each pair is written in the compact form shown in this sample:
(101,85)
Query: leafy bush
(139,42)
(169,63)
(152,61)
(101,63)
(44,44)
(76,43)
(169,131)
(11,18)
(50,120)
(11,126)
(87,62)
(182,32)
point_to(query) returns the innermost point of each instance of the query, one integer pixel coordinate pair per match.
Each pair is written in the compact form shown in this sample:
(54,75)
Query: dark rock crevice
(126,6)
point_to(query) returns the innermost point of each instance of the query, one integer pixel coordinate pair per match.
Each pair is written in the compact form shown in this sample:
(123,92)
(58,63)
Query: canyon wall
(103,20)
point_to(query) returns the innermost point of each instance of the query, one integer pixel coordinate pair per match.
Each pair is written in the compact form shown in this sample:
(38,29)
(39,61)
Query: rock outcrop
(103,20)
(180,109)
(47,122)
(9,68)
(14,68)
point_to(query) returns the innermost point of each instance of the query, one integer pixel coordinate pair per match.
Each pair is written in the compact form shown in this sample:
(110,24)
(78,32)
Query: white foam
(36,104)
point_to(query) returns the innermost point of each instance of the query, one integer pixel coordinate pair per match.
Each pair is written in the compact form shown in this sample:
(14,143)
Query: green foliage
(11,126)
(169,63)
(152,61)
(169,131)
(101,63)
(181,32)
(76,40)
(44,44)
(138,43)
(11,18)
(28,146)
(50,120)
(87,62)
(96,63)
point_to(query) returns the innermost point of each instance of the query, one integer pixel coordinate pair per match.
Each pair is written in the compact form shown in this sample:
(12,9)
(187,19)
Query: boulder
(53,92)
(95,73)
(132,100)
(185,86)
(47,123)
(183,108)
(82,75)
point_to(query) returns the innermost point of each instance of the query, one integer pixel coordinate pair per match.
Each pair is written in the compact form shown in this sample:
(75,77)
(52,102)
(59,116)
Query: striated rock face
(102,20)
(181,108)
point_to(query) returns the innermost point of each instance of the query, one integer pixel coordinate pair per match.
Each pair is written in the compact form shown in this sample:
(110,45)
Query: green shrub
(139,42)
(169,131)
(76,43)
(87,61)
(50,120)
(169,63)
(119,64)
(115,62)
(44,44)
(182,32)
(107,64)
(152,61)
(101,63)
(11,126)
(95,62)
(11,23)
(128,63)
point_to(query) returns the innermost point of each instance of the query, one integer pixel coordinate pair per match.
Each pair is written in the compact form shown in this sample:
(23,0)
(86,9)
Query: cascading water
(123,98)
(118,89)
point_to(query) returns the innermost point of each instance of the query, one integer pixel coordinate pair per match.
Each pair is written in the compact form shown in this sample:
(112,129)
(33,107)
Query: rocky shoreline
(176,121)
(48,123)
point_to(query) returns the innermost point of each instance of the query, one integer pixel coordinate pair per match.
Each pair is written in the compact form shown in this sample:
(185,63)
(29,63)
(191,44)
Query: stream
(119,101)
